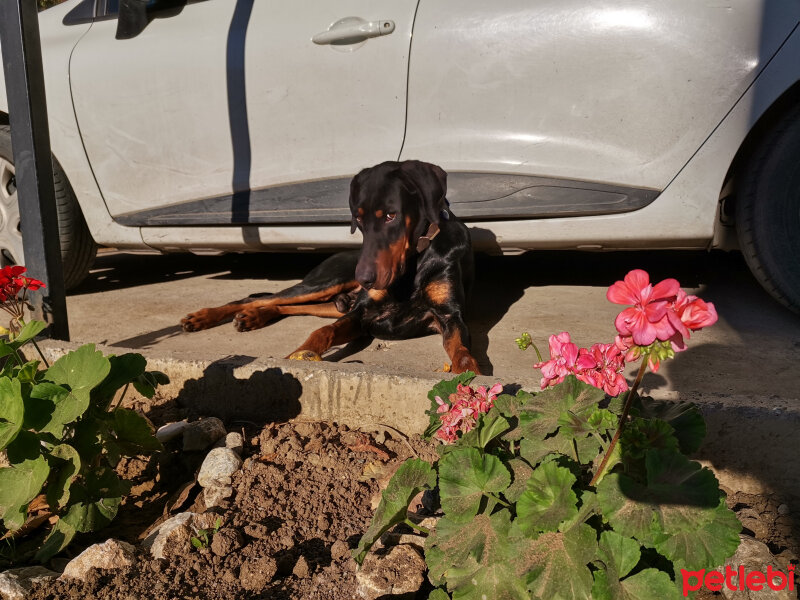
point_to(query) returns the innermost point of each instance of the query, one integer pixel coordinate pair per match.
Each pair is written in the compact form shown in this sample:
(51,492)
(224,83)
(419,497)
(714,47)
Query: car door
(577,107)
(217,109)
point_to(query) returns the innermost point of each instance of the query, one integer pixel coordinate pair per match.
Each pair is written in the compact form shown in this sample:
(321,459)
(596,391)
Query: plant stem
(499,500)
(413,525)
(622,420)
(35,345)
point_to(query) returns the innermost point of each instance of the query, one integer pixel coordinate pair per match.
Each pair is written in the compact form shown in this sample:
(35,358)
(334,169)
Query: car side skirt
(471,195)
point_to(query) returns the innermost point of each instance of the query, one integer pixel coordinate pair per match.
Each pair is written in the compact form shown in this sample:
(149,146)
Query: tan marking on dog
(377,295)
(438,291)
(379,213)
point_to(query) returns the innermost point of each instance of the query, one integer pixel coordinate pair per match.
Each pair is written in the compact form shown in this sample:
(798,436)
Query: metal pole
(30,138)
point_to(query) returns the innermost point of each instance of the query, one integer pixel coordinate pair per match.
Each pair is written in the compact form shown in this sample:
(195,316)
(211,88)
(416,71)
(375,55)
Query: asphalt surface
(137,300)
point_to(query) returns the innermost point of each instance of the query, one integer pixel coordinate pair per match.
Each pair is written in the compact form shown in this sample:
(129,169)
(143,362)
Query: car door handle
(352,30)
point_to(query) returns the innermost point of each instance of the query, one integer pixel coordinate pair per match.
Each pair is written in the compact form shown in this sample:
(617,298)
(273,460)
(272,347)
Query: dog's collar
(433,230)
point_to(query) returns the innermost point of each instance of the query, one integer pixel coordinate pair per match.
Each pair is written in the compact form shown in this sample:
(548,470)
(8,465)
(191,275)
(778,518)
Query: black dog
(411,277)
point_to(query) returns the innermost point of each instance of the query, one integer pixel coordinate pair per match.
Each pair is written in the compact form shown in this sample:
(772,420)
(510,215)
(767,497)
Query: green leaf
(583,450)
(642,435)
(520,471)
(58,539)
(466,475)
(28,373)
(29,331)
(80,370)
(412,476)
(19,484)
(66,463)
(548,500)
(123,369)
(683,417)
(53,406)
(443,389)
(648,584)
(147,383)
(91,516)
(12,410)
(559,563)
(482,558)
(438,594)
(707,546)
(679,495)
(135,430)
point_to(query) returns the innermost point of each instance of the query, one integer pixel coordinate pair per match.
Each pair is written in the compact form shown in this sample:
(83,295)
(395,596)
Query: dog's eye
(390,217)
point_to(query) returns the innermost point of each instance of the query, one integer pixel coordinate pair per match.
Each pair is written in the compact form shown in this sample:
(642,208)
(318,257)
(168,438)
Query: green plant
(203,538)
(62,432)
(539,499)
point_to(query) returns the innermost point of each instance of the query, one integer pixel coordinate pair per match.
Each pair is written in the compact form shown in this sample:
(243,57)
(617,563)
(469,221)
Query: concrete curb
(751,443)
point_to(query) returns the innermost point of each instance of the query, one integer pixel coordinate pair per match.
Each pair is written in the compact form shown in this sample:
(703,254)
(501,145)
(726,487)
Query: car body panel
(620,92)
(217,100)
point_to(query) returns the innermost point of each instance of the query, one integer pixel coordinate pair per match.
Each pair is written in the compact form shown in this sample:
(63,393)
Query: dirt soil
(303,498)
(305,494)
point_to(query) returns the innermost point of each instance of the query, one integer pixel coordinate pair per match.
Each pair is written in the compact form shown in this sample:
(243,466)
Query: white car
(237,124)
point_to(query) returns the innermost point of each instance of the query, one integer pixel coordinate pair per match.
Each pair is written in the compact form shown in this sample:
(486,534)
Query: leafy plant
(203,538)
(62,433)
(539,498)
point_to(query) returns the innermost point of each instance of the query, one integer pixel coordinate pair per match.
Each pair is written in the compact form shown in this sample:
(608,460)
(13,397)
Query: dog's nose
(365,275)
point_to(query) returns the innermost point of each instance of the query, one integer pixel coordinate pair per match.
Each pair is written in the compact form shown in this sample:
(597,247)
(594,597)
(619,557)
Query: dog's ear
(431,183)
(355,186)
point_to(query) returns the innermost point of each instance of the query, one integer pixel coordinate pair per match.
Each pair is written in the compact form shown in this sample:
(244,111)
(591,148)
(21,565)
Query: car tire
(768,211)
(78,249)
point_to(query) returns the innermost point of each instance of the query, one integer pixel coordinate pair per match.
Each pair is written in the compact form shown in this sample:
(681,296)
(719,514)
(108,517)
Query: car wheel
(768,211)
(78,249)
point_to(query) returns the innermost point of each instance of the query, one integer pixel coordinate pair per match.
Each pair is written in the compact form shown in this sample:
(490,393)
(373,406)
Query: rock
(301,569)
(255,574)
(171,430)
(171,534)
(218,467)
(783,509)
(754,556)
(16,583)
(305,429)
(202,434)
(111,554)
(401,570)
(215,495)
(751,519)
(225,541)
(340,550)
(233,441)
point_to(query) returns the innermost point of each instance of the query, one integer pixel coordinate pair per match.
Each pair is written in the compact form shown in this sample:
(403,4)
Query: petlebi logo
(739,579)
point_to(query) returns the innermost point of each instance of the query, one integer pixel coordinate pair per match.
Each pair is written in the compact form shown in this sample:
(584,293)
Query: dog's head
(393,204)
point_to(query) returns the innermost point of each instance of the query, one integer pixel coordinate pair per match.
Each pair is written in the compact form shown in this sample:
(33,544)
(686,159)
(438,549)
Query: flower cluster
(12,282)
(600,366)
(463,409)
(654,326)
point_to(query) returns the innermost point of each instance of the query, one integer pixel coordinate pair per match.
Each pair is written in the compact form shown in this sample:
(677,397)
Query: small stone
(16,583)
(340,550)
(301,569)
(400,571)
(111,554)
(218,467)
(215,495)
(754,556)
(255,574)
(201,434)
(171,534)
(783,509)
(305,429)
(171,430)
(226,541)
(751,519)
(234,441)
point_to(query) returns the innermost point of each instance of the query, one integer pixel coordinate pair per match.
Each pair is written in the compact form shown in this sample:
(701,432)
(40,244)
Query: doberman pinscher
(411,277)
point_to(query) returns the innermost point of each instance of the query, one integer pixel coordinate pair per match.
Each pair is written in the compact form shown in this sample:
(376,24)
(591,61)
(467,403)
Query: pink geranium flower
(465,407)
(647,319)
(602,366)
(563,355)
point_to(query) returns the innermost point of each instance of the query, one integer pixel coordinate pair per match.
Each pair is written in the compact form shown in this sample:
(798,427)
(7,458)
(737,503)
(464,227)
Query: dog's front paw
(464,361)
(304,355)
(248,319)
(198,320)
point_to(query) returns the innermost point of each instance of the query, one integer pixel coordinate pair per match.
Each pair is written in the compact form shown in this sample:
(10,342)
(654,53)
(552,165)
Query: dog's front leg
(341,331)
(455,336)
